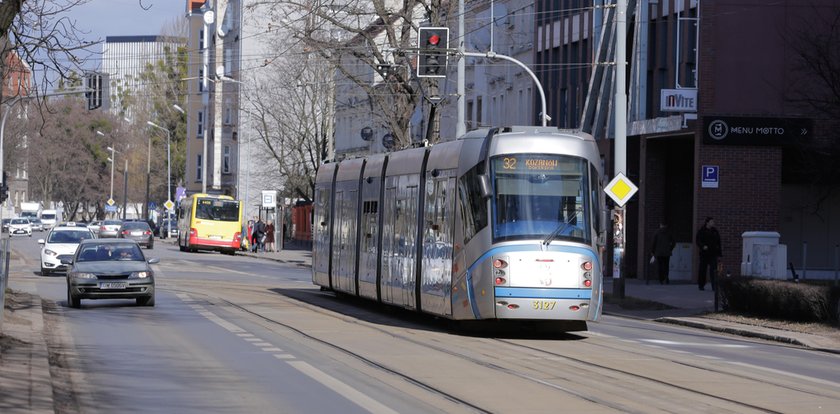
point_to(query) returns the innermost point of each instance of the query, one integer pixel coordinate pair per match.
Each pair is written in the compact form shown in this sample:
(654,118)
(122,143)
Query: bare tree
(291,115)
(376,34)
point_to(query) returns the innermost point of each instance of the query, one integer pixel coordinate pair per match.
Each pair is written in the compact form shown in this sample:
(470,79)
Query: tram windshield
(536,195)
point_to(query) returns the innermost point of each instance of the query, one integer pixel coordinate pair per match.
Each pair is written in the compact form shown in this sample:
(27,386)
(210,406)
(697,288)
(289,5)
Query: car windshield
(540,196)
(110,252)
(48,216)
(111,222)
(20,221)
(68,236)
(213,209)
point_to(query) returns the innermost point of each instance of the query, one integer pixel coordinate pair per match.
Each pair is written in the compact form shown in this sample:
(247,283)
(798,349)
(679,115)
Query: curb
(25,375)
(749,333)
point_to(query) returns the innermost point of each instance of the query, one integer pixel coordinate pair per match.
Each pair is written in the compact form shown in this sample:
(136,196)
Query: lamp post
(168,174)
(186,146)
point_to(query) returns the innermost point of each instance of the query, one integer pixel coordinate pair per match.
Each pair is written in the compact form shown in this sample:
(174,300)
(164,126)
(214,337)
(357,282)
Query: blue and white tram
(502,224)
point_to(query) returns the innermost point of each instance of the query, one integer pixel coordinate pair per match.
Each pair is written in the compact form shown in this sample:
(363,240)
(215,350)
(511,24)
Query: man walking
(708,241)
(663,245)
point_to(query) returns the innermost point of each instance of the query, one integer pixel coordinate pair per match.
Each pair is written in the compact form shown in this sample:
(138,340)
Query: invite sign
(678,100)
(728,130)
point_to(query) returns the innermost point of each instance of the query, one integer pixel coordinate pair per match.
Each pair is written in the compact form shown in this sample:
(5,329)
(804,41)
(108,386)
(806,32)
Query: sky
(102,18)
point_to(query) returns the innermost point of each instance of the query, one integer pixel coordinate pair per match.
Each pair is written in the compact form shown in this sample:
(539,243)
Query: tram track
(537,366)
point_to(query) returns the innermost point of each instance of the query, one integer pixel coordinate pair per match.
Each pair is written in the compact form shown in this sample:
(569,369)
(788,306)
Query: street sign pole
(620,137)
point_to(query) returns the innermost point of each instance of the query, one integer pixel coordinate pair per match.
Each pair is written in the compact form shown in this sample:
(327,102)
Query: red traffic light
(434,39)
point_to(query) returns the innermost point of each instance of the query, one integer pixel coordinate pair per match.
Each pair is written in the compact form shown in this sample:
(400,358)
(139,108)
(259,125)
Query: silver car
(110,228)
(110,269)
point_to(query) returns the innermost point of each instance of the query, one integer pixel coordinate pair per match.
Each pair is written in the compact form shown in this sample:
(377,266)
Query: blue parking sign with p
(710,176)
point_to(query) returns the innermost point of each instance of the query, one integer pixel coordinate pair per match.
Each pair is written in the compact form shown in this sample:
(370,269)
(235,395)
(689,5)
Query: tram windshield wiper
(563,226)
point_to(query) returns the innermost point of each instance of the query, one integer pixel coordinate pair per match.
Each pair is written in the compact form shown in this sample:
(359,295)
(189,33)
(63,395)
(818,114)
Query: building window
(227,113)
(478,110)
(201,80)
(201,39)
(228,61)
(200,129)
(226,162)
(198,166)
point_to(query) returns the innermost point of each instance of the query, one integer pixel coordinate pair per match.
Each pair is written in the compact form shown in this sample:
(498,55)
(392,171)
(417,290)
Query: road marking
(244,335)
(262,344)
(253,339)
(341,388)
(273,349)
(675,343)
(788,374)
(284,356)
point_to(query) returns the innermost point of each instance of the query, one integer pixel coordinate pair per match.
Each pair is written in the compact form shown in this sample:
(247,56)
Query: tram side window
(473,205)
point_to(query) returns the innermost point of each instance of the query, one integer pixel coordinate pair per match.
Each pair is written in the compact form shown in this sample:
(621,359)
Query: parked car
(20,227)
(110,269)
(94,226)
(61,243)
(110,228)
(160,230)
(37,224)
(138,231)
(6,222)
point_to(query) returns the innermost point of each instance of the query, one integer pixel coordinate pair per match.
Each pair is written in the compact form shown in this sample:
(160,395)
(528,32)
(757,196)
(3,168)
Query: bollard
(804,259)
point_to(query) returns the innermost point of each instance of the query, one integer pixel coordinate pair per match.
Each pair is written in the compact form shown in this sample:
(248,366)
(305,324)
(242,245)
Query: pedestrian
(269,237)
(708,241)
(663,245)
(258,233)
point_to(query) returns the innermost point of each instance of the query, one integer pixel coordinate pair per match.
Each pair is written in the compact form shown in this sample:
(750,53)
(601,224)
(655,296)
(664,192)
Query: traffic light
(432,42)
(96,90)
(4,188)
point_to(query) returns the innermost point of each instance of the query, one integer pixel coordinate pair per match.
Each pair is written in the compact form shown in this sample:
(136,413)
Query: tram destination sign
(727,130)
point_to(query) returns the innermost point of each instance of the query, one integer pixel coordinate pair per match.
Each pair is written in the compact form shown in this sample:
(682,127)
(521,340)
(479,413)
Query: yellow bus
(209,222)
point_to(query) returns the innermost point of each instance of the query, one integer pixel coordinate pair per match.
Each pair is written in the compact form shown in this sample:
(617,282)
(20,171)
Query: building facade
(124,58)
(212,112)
(727,118)
(17,84)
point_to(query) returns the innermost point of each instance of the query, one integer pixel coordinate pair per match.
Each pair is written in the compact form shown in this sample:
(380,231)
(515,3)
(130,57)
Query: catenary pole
(620,162)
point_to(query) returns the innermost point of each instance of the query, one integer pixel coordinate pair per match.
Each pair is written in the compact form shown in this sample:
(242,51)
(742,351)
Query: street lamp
(111,160)
(168,174)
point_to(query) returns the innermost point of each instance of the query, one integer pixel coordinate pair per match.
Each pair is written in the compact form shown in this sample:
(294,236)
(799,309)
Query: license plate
(112,285)
(214,237)
(136,233)
(543,305)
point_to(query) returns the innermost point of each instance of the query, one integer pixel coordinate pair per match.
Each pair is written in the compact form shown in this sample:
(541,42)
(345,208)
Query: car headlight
(49,252)
(83,275)
(140,275)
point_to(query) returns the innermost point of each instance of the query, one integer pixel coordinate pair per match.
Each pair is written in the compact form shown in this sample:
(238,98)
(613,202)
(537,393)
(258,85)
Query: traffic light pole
(620,165)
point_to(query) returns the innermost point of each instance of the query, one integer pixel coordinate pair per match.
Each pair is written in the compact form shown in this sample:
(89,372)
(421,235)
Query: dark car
(172,225)
(110,269)
(138,231)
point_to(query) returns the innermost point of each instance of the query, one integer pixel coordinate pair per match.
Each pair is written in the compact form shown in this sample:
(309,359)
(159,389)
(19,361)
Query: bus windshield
(540,196)
(217,210)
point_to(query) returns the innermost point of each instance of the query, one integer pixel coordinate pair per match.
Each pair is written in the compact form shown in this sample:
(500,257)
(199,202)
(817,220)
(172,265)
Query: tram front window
(536,195)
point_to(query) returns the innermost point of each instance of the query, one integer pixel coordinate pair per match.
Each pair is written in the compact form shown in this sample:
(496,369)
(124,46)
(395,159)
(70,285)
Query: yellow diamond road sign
(621,189)
(110,201)
(169,204)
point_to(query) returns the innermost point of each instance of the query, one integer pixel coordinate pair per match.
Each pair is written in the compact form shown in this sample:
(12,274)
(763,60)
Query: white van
(49,218)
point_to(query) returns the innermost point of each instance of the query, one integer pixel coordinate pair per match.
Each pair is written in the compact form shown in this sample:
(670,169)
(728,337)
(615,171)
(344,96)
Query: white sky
(104,18)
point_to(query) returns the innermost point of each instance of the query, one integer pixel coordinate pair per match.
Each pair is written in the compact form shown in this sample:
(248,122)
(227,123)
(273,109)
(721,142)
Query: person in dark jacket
(663,245)
(708,241)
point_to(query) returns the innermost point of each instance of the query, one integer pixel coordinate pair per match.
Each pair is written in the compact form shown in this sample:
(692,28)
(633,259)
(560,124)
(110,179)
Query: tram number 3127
(543,304)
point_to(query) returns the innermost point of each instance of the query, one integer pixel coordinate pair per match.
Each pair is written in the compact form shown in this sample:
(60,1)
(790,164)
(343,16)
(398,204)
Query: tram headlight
(499,264)
(587,266)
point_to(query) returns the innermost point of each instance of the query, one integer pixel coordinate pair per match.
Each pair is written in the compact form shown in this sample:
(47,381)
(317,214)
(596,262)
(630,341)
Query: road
(238,334)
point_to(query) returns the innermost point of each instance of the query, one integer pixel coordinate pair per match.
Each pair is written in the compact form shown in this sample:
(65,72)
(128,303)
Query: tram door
(388,271)
(439,220)
(346,247)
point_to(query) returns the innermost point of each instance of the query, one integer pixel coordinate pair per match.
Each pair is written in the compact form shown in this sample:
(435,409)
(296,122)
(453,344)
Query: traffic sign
(169,205)
(621,189)
(111,202)
(711,176)
(110,209)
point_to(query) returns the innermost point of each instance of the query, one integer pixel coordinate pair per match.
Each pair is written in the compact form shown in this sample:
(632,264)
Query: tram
(501,224)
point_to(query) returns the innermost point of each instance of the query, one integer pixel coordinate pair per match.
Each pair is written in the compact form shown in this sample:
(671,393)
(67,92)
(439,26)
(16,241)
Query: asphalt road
(238,334)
